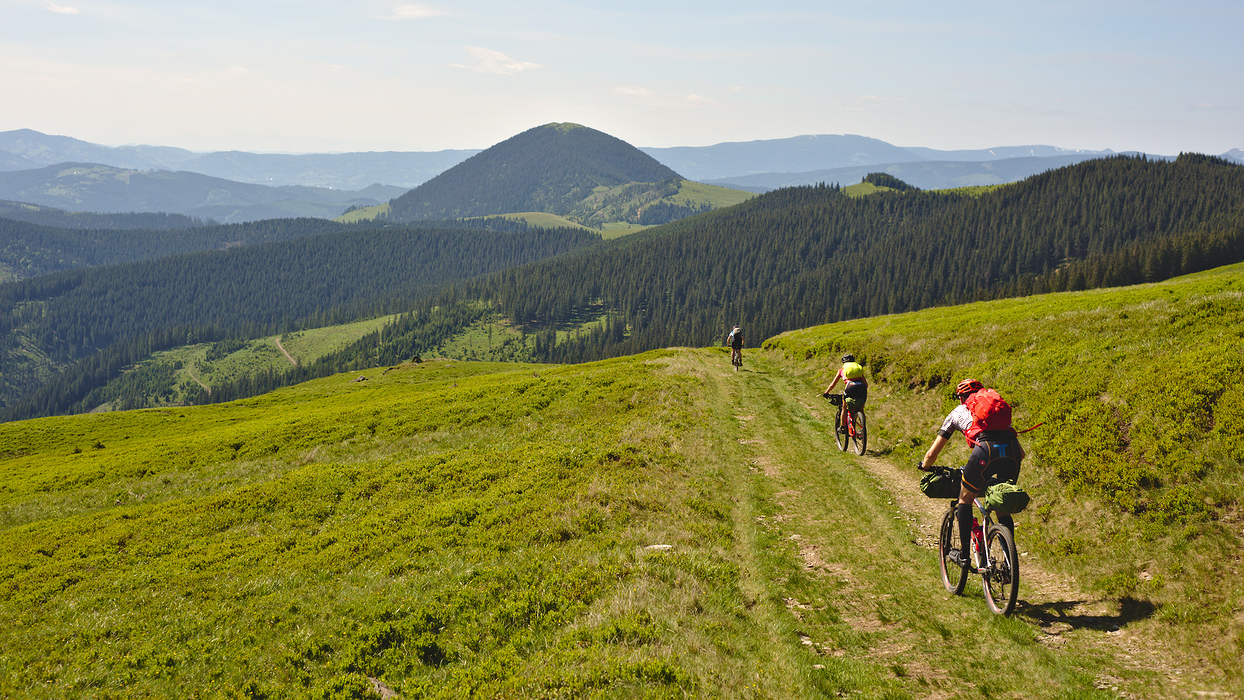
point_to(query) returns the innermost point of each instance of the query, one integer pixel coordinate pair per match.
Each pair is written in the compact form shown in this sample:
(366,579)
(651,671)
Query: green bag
(1006,498)
(940,484)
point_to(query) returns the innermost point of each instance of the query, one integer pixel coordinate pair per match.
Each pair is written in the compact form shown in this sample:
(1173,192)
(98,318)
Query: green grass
(309,345)
(650,526)
(364,214)
(718,197)
(544,220)
(495,339)
(619,229)
(444,527)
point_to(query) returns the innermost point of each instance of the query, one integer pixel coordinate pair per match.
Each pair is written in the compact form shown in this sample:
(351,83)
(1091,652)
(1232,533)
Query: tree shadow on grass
(1062,614)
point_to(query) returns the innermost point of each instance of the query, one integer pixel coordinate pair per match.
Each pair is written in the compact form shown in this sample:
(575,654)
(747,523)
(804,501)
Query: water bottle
(978,543)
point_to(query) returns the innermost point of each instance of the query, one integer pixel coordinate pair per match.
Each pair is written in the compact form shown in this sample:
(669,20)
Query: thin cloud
(495,63)
(61,9)
(652,97)
(634,91)
(405,12)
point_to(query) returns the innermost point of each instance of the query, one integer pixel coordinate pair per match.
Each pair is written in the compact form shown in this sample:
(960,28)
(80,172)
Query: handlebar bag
(941,485)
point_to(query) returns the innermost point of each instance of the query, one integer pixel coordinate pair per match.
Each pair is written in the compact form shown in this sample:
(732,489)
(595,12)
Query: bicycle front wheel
(954,577)
(840,432)
(1001,581)
(860,438)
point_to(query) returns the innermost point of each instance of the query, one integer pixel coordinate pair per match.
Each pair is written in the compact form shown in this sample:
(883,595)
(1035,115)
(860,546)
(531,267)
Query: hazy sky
(322,76)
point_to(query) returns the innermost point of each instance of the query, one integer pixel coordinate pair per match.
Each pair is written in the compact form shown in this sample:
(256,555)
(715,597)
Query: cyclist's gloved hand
(825,394)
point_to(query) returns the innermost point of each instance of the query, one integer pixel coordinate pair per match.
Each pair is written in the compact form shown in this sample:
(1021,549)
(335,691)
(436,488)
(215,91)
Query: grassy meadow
(649,526)
(362,214)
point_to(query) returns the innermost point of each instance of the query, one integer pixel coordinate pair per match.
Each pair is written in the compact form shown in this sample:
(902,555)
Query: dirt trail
(191,374)
(787,438)
(1054,602)
(285,352)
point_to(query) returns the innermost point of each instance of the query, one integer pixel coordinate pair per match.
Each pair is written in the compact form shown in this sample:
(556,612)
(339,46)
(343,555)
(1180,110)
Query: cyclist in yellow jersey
(855,385)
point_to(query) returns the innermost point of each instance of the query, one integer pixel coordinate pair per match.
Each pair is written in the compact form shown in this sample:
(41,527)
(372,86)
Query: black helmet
(848,358)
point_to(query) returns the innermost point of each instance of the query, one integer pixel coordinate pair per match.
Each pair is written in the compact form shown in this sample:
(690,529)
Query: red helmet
(967,387)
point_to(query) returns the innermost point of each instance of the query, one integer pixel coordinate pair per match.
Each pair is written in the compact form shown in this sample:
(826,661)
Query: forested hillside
(242,292)
(555,168)
(788,259)
(803,256)
(32,249)
(59,218)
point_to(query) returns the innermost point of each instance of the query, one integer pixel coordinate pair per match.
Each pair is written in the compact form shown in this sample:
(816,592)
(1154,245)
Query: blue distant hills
(328,183)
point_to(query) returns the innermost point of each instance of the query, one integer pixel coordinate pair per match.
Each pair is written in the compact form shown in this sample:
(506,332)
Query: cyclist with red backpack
(984,418)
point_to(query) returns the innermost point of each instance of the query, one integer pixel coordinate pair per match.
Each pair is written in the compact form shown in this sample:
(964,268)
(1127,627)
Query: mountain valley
(479,437)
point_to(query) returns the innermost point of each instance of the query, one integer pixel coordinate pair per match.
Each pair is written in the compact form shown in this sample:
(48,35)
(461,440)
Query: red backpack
(989,411)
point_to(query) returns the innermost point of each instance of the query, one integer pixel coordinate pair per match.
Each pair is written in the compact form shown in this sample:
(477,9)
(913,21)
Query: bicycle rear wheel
(840,432)
(953,577)
(860,438)
(1001,581)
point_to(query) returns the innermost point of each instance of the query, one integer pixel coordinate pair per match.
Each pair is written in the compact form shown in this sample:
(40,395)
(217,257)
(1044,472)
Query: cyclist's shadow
(1060,613)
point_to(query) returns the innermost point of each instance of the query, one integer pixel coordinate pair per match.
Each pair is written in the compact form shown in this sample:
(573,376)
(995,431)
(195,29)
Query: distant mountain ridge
(755,166)
(927,175)
(801,154)
(107,189)
(26,149)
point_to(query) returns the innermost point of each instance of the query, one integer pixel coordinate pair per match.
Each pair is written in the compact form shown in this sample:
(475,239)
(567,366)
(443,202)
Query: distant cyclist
(855,385)
(996,454)
(735,342)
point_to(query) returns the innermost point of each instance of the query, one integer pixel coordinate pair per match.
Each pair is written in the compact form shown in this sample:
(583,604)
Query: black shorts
(994,458)
(856,393)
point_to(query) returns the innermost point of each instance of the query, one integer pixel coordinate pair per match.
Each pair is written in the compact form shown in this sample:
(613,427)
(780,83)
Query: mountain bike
(855,431)
(736,358)
(994,555)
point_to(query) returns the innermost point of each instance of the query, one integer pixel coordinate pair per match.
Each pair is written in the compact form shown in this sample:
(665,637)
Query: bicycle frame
(985,521)
(999,571)
(841,403)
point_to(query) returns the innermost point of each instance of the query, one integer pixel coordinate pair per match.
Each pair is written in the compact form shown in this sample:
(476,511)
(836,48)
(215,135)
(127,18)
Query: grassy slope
(363,214)
(691,193)
(696,192)
(257,356)
(464,527)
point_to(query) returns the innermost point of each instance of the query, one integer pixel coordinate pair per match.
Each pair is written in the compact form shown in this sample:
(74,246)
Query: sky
(316,76)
